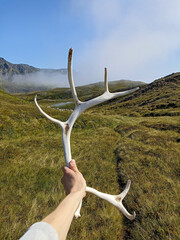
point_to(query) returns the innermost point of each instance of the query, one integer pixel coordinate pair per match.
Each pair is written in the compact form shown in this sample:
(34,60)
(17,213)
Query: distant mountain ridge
(16,78)
(8,70)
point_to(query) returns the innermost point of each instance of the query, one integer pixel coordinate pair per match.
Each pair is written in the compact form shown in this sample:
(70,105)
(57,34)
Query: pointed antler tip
(77,215)
(105,70)
(135,89)
(70,51)
(70,55)
(129,181)
(128,184)
(133,216)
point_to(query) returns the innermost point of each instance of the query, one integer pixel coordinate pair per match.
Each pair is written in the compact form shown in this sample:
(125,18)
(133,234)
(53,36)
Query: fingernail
(73,162)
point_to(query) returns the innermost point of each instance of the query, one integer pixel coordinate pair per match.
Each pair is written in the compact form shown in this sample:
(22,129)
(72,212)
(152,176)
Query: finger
(73,166)
(66,170)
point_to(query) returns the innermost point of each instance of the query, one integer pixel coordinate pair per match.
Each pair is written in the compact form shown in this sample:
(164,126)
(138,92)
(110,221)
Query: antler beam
(67,126)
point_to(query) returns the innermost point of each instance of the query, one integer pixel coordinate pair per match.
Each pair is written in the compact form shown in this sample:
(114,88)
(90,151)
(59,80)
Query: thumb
(73,166)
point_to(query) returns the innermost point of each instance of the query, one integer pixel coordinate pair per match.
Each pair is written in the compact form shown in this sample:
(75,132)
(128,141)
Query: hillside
(127,138)
(159,98)
(84,92)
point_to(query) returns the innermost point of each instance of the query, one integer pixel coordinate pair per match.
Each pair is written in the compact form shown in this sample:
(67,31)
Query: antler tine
(120,94)
(126,190)
(126,213)
(105,97)
(46,115)
(115,200)
(121,196)
(70,77)
(105,80)
(95,101)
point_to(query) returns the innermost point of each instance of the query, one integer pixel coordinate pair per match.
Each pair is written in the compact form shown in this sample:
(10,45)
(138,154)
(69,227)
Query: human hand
(73,180)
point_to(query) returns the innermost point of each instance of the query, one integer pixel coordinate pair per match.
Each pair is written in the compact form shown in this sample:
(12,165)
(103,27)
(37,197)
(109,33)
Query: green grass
(31,162)
(149,156)
(111,144)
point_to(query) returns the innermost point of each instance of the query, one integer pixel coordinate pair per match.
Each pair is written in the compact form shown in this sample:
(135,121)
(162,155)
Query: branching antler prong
(77,213)
(71,80)
(126,190)
(126,213)
(46,115)
(105,80)
(115,200)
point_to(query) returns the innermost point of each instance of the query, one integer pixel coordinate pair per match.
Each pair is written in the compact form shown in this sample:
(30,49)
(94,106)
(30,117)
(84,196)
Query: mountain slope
(7,69)
(159,98)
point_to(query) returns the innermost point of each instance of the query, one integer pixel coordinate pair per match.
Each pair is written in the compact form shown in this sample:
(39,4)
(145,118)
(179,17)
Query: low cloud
(49,79)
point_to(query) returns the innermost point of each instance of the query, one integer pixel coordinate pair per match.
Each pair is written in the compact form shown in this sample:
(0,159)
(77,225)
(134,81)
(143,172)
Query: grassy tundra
(136,138)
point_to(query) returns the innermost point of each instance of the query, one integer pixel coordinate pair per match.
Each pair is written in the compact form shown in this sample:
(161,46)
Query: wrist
(78,193)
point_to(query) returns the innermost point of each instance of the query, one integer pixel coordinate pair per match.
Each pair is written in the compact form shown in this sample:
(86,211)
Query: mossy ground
(109,150)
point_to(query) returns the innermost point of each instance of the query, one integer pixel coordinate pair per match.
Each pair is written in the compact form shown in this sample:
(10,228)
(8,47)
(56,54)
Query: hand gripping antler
(80,107)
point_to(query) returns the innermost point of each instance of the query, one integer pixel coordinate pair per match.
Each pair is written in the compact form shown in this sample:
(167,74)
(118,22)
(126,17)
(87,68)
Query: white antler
(80,107)
(116,200)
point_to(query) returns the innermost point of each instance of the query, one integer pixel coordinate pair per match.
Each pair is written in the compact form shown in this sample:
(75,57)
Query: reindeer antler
(80,107)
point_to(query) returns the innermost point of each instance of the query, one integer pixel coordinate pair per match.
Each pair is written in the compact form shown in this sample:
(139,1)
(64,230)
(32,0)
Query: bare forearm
(62,216)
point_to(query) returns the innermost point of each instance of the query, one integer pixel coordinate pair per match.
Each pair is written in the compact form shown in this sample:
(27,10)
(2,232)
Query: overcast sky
(134,39)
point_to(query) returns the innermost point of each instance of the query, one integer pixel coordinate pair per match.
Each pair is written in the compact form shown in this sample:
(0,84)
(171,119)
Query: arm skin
(74,183)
